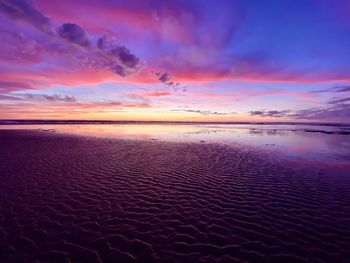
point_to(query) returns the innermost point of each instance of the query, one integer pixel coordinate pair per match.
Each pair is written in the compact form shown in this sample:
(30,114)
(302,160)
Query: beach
(71,198)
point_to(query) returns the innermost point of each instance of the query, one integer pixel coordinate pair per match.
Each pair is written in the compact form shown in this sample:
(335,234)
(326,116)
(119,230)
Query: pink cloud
(115,105)
(156,94)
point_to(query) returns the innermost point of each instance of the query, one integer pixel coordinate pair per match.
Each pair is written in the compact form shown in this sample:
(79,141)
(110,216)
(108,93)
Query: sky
(178,60)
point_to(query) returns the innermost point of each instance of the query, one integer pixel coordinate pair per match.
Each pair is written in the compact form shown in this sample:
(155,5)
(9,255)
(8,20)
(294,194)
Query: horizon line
(77,121)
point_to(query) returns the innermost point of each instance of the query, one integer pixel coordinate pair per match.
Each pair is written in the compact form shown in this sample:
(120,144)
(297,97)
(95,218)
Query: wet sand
(68,198)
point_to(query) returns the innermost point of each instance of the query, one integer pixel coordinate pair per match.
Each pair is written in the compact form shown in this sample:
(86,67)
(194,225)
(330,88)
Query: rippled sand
(66,198)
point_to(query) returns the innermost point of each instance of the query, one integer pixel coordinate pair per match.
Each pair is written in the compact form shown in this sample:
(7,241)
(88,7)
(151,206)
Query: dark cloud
(126,57)
(253,113)
(116,57)
(101,43)
(74,34)
(119,70)
(112,48)
(105,55)
(270,113)
(165,78)
(24,10)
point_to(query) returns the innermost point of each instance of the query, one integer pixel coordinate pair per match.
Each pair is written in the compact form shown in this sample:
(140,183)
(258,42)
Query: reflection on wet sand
(302,143)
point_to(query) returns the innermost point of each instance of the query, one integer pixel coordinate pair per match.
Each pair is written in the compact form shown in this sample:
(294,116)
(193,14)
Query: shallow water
(327,146)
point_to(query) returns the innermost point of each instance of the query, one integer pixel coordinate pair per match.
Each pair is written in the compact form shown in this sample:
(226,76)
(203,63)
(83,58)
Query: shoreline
(53,122)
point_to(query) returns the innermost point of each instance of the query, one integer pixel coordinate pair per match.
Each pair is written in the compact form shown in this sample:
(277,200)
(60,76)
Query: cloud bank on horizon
(175,60)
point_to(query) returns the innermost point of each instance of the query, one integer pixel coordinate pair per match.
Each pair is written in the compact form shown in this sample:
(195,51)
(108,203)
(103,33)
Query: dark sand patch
(341,132)
(79,199)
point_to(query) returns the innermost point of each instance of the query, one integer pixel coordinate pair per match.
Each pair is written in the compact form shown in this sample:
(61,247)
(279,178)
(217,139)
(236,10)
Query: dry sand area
(67,198)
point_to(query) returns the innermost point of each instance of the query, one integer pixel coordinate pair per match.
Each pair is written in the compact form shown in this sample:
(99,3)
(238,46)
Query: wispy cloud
(59,100)
(333,89)
(152,94)
(113,104)
(337,112)
(204,112)
(9,86)
(337,100)
(9,97)
(271,113)
(51,98)
(39,97)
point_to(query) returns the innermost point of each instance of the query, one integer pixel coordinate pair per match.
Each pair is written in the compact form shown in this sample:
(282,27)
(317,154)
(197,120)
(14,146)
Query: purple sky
(248,60)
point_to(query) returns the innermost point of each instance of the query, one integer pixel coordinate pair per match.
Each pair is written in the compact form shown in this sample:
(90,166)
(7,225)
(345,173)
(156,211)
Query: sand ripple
(80,199)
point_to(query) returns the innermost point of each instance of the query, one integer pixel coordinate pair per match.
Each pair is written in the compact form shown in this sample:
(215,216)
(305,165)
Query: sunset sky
(249,60)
